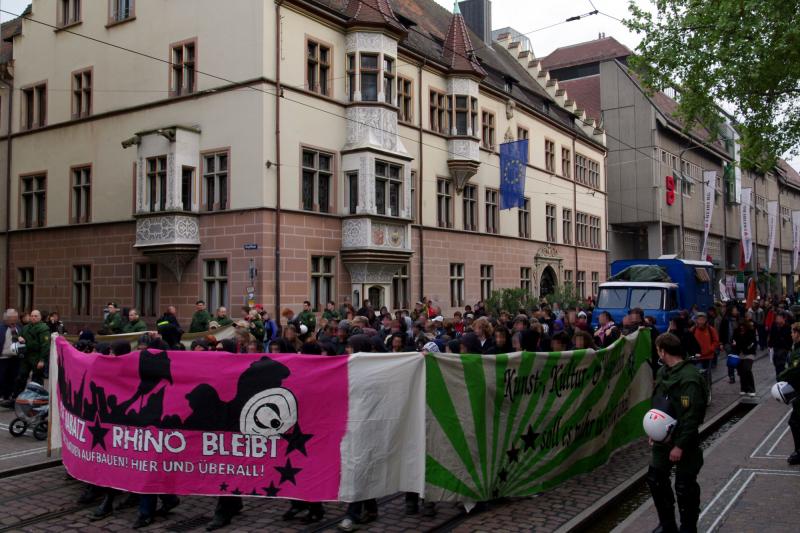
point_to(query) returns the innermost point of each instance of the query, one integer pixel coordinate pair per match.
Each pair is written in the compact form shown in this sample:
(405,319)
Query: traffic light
(670,190)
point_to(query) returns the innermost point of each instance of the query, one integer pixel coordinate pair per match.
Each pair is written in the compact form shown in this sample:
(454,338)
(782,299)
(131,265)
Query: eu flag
(513,162)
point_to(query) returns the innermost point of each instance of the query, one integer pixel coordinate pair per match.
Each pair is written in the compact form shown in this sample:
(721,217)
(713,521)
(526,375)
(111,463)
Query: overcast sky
(526,16)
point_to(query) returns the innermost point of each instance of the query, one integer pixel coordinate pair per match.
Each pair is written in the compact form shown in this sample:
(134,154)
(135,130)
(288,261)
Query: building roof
(373,13)
(458,49)
(588,52)
(788,172)
(7,32)
(585,92)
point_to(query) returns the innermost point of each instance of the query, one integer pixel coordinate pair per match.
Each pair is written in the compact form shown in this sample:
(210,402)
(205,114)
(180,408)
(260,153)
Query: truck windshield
(612,298)
(646,298)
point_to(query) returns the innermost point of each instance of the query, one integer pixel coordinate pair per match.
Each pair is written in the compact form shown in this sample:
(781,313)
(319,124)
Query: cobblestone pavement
(746,484)
(27,508)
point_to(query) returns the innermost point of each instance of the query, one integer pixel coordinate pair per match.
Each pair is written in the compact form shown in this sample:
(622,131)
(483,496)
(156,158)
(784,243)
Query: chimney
(478,16)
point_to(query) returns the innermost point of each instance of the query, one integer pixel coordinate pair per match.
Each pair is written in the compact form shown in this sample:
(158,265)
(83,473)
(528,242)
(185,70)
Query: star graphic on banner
(297,440)
(98,433)
(502,475)
(272,490)
(513,454)
(223,487)
(530,439)
(287,472)
(236,492)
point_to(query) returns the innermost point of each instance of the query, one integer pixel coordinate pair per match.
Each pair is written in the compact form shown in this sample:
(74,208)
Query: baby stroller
(31,407)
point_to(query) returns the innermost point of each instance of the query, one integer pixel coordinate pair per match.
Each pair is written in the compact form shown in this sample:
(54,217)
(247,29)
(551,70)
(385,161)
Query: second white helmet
(783,392)
(658,425)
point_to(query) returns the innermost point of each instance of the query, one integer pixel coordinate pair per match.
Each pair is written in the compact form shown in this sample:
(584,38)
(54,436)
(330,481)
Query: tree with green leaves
(744,54)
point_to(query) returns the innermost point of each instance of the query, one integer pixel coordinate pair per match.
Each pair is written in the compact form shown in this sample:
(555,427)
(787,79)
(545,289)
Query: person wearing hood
(607,331)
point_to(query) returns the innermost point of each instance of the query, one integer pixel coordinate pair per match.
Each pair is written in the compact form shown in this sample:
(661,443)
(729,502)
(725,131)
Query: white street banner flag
(747,232)
(709,182)
(519,423)
(772,220)
(795,238)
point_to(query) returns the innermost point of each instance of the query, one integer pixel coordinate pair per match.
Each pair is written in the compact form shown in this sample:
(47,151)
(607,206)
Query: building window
(321,281)
(594,232)
(81,290)
(316,180)
(523,135)
(69,12)
(388,80)
(121,10)
(580,288)
(25,289)
(34,201)
(487,281)
(566,165)
(388,188)
(525,279)
(525,219)
(351,77)
(352,192)
(400,293)
(568,278)
(440,114)
(550,222)
(466,112)
(594,175)
(414,196)
(187,187)
(582,229)
(405,99)
(456,284)
(492,212)
(184,75)
(444,203)
(146,298)
(157,183)
(549,155)
(81,194)
(595,284)
(82,93)
(369,77)
(318,68)
(34,106)
(566,226)
(215,281)
(215,181)
(470,208)
(487,137)
(587,171)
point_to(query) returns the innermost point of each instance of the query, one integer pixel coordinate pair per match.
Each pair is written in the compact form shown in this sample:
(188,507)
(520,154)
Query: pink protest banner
(208,423)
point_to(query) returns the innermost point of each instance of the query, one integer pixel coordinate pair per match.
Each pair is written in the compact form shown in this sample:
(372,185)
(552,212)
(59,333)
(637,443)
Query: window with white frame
(492,211)
(594,232)
(444,203)
(388,80)
(566,226)
(156,183)
(595,284)
(470,208)
(582,229)
(456,284)
(487,281)
(525,278)
(580,288)
(121,10)
(524,216)
(69,12)
(550,222)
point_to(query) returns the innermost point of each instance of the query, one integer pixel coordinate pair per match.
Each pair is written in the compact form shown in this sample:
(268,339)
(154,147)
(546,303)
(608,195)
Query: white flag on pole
(747,232)
(772,221)
(709,181)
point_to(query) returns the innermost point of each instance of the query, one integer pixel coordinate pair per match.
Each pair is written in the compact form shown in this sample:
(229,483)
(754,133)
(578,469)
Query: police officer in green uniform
(200,318)
(681,392)
(134,324)
(36,337)
(222,317)
(113,321)
(792,376)
(308,317)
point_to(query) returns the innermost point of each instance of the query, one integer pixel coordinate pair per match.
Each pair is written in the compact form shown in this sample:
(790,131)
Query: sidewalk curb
(583,520)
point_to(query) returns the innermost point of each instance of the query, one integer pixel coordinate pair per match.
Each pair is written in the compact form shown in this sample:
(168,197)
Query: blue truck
(674,284)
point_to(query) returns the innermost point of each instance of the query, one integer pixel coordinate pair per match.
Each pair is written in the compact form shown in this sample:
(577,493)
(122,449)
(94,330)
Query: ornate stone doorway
(548,283)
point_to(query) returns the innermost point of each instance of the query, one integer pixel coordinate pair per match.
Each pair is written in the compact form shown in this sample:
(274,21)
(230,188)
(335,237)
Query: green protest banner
(517,424)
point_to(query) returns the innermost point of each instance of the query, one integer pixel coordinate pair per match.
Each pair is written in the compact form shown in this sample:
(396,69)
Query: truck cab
(658,299)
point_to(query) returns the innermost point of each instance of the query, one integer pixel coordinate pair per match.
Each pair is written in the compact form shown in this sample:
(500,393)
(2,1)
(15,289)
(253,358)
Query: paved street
(56,510)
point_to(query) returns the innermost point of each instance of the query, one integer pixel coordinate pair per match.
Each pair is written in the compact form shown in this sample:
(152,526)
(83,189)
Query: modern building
(162,152)
(648,152)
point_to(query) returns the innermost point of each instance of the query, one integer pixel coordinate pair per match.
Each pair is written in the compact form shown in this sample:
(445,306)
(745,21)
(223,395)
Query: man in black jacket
(780,340)
(10,331)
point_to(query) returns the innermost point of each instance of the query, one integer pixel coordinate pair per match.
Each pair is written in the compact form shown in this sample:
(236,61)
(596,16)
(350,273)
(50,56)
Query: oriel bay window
(374,73)
(352,192)
(466,115)
(316,180)
(369,77)
(157,183)
(388,184)
(388,80)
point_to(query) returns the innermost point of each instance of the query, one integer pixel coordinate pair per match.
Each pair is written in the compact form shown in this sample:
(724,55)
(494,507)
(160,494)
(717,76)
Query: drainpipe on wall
(575,222)
(605,204)
(420,181)
(279,95)
(8,195)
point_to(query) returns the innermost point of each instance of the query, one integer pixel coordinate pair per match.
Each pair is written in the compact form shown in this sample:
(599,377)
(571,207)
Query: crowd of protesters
(340,329)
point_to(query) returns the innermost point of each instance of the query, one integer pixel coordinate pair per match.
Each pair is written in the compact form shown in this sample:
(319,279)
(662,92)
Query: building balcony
(373,238)
(173,239)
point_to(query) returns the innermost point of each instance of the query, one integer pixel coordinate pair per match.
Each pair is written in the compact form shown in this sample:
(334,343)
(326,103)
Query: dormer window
(370,77)
(508,86)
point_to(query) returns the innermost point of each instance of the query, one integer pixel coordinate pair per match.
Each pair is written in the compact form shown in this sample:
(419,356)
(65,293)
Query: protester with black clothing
(744,345)
(780,340)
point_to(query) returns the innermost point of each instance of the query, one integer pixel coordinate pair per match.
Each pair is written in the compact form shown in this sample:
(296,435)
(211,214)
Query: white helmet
(303,329)
(783,392)
(658,425)
(16,348)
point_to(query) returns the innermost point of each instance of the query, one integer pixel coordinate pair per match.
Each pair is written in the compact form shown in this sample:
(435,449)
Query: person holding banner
(681,392)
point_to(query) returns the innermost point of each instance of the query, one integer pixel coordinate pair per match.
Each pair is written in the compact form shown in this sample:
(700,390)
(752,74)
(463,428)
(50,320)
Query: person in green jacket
(36,337)
(256,325)
(330,312)
(200,318)
(308,317)
(681,392)
(112,324)
(222,317)
(135,324)
(792,376)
